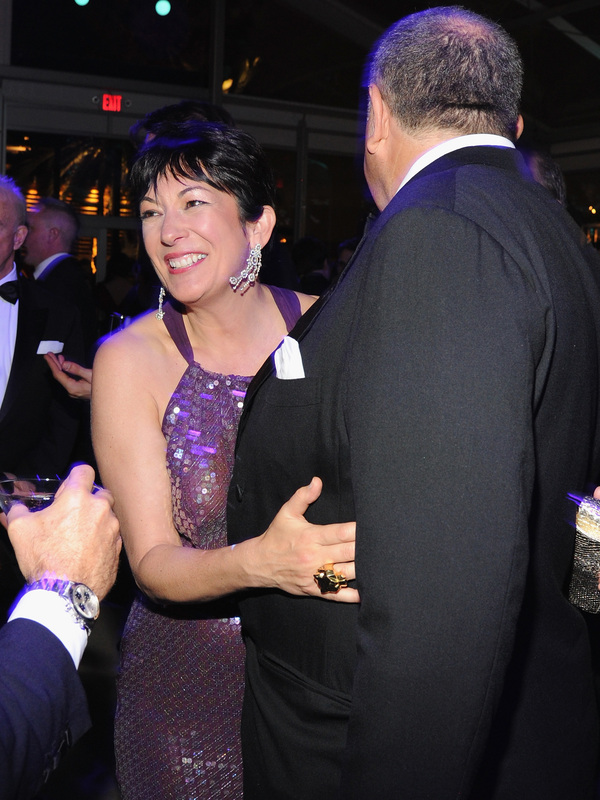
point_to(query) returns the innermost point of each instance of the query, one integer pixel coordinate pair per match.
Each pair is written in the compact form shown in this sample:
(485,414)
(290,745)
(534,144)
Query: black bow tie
(9,291)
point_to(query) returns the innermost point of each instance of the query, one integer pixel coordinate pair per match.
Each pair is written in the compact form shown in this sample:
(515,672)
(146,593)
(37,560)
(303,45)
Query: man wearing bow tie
(448,397)
(38,422)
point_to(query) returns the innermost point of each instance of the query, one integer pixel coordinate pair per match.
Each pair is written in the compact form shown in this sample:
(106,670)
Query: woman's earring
(161,296)
(249,274)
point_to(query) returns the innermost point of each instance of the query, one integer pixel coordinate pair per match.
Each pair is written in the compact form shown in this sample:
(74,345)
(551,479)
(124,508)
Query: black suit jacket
(450,403)
(38,421)
(66,279)
(43,707)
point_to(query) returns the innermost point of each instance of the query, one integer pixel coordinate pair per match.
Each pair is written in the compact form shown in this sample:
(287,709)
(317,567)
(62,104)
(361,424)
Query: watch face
(85,601)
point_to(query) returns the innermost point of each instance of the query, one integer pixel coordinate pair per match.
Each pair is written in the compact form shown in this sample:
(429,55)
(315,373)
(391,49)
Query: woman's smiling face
(194,237)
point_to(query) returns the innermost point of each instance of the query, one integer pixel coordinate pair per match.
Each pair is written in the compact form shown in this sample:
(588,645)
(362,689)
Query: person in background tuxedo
(43,708)
(447,397)
(53,229)
(38,421)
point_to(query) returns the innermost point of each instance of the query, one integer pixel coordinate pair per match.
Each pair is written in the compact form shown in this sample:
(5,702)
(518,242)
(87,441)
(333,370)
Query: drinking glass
(35,493)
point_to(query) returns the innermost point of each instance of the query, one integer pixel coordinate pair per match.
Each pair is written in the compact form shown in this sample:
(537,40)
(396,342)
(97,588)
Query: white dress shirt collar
(46,263)
(470,140)
(12,275)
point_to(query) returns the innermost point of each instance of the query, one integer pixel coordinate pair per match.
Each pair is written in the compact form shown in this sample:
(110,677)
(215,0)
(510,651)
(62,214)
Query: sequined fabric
(181,678)
(583,587)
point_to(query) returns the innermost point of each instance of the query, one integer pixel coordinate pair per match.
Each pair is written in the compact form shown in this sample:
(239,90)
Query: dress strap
(288,304)
(174,323)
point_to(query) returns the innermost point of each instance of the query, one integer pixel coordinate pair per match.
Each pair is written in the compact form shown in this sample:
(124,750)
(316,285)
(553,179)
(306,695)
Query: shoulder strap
(288,305)
(173,321)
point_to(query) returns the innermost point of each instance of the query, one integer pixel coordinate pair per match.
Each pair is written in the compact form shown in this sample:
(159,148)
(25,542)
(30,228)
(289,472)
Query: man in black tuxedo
(43,708)
(38,421)
(448,398)
(53,229)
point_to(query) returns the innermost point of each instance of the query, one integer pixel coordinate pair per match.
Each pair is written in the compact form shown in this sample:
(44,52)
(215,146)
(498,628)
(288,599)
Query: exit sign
(111,102)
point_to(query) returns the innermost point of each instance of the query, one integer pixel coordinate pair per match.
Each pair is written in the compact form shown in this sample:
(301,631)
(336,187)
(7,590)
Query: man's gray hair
(448,68)
(63,216)
(8,186)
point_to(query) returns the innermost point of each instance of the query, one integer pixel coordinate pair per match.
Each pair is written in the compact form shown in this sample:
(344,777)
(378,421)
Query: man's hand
(78,387)
(77,537)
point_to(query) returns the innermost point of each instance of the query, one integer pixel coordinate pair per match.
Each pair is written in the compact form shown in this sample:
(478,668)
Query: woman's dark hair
(165,120)
(225,158)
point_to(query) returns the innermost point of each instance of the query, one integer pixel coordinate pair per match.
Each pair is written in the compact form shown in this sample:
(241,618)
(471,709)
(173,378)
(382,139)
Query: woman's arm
(130,450)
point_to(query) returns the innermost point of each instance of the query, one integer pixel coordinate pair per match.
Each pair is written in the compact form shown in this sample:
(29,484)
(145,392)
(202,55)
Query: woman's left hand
(292,550)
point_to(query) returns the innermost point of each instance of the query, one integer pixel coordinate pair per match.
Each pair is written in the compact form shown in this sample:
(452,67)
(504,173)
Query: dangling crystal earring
(161,296)
(249,274)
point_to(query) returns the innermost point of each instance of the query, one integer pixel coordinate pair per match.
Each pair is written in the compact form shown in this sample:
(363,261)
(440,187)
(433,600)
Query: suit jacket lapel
(299,331)
(501,157)
(305,322)
(267,368)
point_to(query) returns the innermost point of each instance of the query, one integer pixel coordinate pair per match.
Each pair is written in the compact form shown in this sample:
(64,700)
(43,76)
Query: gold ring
(329,581)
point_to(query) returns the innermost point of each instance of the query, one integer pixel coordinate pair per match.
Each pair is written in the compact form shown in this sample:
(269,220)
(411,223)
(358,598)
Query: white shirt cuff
(50,610)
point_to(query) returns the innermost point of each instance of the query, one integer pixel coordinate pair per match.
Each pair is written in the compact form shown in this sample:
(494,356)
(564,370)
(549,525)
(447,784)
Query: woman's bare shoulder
(144,340)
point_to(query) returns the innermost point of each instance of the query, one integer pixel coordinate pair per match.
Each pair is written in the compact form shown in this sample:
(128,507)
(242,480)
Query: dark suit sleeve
(439,411)
(42,706)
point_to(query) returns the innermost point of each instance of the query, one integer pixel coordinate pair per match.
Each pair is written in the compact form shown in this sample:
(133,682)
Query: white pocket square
(49,346)
(288,361)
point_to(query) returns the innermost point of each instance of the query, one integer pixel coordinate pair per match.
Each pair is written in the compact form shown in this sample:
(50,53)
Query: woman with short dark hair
(177,383)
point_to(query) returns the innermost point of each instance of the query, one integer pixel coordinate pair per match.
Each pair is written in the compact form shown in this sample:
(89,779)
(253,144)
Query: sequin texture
(181,680)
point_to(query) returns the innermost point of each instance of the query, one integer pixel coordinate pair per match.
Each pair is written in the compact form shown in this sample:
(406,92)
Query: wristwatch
(81,602)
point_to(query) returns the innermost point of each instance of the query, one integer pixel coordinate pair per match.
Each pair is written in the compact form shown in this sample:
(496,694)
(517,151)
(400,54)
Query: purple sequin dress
(180,683)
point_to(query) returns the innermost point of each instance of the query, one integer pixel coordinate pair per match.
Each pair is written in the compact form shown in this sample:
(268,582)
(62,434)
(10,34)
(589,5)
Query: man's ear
(378,120)
(20,236)
(54,234)
(520,126)
(262,229)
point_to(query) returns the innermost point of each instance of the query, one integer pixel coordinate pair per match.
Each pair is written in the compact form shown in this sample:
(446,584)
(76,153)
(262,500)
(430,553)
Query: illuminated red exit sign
(111,102)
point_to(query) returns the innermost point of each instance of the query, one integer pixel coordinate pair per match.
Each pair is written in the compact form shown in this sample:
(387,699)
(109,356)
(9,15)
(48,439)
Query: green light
(162,8)
(81,2)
